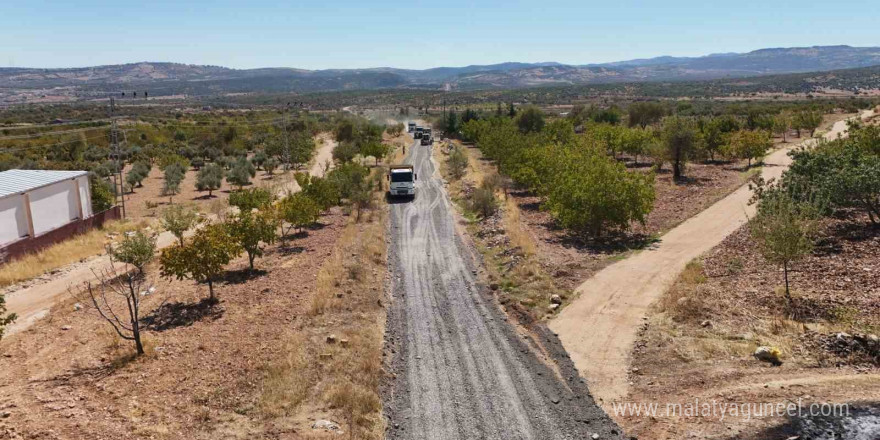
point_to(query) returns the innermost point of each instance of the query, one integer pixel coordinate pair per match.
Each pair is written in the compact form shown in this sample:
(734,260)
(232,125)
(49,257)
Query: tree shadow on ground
(205,197)
(609,242)
(178,314)
(242,275)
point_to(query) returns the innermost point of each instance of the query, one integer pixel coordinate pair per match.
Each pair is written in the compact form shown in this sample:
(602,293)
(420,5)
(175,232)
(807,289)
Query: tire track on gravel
(461,370)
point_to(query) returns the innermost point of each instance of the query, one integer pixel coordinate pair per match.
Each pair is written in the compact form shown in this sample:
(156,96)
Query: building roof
(20,181)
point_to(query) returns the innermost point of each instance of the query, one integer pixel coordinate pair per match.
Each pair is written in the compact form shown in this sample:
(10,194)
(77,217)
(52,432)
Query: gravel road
(461,371)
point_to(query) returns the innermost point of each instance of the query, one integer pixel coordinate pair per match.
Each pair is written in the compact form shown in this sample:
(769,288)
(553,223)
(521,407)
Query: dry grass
(334,363)
(74,249)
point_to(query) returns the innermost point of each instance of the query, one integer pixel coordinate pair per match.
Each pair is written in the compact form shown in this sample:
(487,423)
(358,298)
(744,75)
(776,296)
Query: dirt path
(460,370)
(34,302)
(599,328)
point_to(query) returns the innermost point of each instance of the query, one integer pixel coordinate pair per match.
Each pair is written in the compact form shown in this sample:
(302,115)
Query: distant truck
(411,127)
(427,138)
(418,133)
(402,181)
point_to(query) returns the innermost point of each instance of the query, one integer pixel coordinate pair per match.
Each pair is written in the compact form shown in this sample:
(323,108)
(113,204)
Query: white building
(33,202)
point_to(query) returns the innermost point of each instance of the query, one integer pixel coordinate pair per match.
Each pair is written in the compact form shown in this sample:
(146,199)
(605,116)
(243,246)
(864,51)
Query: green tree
(807,120)
(210,178)
(530,120)
(102,194)
(680,140)
(241,173)
(751,145)
(302,147)
(345,152)
(377,150)
(270,165)
(259,158)
(250,199)
(178,219)
(202,259)
(781,124)
(252,230)
(298,211)
(322,191)
(644,114)
(784,230)
(174,174)
(593,193)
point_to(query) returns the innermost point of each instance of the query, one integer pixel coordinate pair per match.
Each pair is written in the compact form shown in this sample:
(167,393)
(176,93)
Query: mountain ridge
(175,78)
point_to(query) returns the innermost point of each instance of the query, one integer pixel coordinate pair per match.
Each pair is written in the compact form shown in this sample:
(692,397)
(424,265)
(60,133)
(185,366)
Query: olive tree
(210,178)
(174,174)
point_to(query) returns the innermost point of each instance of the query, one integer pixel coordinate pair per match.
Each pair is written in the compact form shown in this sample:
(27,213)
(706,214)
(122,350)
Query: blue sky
(414,34)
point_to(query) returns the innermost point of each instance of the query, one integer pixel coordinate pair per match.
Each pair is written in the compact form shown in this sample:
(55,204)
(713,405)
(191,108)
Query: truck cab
(411,127)
(426,137)
(418,133)
(402,181)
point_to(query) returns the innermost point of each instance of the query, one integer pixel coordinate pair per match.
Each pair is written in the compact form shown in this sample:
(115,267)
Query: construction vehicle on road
(410,127)
(418,133)
(427,139)
(402,181)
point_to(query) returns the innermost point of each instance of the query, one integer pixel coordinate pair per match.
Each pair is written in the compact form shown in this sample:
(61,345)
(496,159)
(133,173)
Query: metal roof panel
(20,181)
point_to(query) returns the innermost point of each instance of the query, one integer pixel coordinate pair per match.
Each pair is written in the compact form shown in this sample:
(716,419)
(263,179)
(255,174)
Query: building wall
(13,219)
(85,194)
(53,206)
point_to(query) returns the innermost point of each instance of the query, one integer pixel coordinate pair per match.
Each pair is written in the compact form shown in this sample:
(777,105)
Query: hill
(175,79)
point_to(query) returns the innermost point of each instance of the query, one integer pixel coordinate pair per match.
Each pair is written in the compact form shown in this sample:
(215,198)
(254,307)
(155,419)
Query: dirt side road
(461,371)
(34,302)
(599,328)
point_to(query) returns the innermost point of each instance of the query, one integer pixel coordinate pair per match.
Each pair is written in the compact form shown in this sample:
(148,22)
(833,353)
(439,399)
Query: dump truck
(411,127)
(402,181)
(418,133)
(427,138)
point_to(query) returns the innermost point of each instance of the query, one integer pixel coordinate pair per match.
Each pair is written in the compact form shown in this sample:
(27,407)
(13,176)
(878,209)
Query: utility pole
(114,154)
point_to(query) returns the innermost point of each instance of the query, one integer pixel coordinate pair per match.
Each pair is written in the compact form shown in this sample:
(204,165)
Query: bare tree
(117,294)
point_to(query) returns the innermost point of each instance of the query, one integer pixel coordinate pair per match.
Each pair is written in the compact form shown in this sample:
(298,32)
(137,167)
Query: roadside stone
(326,425)
(77,307)
(344,342)
(331,339)
(66,327)
(706,323)
(769,355)
(556,299)
(553,307)
(325,356)
(594,436)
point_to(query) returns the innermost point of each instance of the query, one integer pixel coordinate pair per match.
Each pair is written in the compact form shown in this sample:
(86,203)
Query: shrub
(174,174)
(458,162)
(483,202)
